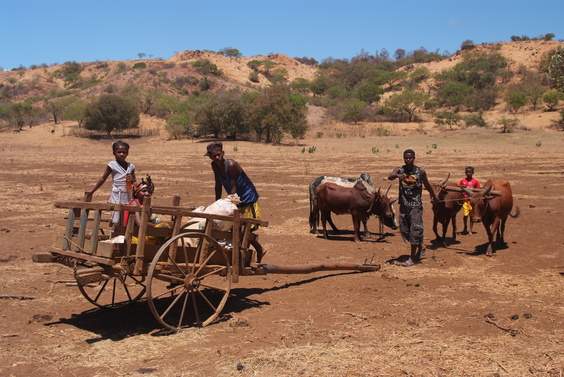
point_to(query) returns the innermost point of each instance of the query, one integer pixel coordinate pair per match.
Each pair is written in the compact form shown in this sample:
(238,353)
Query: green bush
(381,131)
(121,67)
(475,120)
(508,125)
(447,118)
(254,77)
(140,65)
(516,99)
(205,66)
(551,99)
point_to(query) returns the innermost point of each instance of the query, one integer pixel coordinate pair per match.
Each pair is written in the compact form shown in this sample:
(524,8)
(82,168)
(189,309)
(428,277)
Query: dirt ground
(425,320)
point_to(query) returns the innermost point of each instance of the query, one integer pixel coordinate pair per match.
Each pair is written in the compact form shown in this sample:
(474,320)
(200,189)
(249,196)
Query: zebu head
(382,207)
(479,201)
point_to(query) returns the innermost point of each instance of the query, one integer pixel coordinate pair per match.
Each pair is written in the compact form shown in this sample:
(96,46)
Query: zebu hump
(350,182)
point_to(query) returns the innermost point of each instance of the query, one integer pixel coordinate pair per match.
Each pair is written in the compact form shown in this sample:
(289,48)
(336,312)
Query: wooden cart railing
(186,273)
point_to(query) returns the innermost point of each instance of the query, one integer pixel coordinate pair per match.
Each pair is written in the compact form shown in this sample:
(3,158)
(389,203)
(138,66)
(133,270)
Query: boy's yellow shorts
(467,208)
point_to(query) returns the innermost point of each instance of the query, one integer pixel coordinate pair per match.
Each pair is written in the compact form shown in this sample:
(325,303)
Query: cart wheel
(108,289)
(191,288)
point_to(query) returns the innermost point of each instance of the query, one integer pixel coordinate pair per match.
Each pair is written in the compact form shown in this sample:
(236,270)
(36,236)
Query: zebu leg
(356,224)
(454,227)
(331,223)
(365,225)
(490,229)
(324,222)
(501,232)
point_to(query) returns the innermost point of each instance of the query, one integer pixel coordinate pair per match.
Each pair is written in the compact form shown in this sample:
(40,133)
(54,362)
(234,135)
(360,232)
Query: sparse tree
(275,112)
(548,36)
(20,111)
(111,112)
(141,55)
(467,44)
(399,54)
(230,52)
(319,85)
(353,110)
(75,111)
(551,99)
(300,85)
(205,66)
(454,94)
(516,99)
(307,61)
(179,125)
(279,76)
(556,69)
(448,118)
(254,64)
(408,102)
(34,116)
(369,93)
(507,124)
(534,91)
(222,114)
(57,106)
(6,111)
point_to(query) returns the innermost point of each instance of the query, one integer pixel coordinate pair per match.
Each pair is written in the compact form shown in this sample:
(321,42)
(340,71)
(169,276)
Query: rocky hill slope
(178,76)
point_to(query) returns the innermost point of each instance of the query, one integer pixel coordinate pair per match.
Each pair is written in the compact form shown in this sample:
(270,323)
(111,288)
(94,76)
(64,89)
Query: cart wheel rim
(198,277)
(108,289)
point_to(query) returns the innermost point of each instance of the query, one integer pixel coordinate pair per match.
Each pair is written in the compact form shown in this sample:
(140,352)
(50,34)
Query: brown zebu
(446,209)
(492,210)
(355,200)
(341,181)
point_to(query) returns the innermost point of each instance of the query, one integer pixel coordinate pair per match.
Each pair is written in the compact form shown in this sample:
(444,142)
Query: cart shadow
(113,324)
(239,300)
(137,319)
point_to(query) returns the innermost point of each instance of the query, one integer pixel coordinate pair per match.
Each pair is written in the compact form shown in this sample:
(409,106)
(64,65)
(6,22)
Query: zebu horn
(386,194)
(394,200)
(466,190)
(487,191)
(445,180)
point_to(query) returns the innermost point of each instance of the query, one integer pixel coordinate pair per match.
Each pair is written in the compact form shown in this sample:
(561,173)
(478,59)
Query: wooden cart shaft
(316,267)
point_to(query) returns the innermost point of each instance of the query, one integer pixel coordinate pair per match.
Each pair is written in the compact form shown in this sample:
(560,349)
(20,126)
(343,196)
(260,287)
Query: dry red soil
(426,320)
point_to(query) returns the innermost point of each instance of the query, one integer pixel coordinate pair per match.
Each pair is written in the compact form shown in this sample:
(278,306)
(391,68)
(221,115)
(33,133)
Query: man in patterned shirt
(411,181)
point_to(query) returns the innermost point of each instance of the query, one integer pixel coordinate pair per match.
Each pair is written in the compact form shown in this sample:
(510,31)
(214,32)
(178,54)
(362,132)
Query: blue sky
(56,31)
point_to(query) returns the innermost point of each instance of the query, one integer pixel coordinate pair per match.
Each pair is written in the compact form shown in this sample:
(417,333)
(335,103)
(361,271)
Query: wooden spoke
(107,288)
(188,291)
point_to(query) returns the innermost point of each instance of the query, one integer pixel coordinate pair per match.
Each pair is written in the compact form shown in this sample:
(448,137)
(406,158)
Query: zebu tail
(313,208)
(517,212)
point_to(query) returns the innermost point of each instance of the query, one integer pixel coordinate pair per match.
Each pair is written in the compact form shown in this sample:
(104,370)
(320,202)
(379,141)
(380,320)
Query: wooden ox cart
(185,268)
